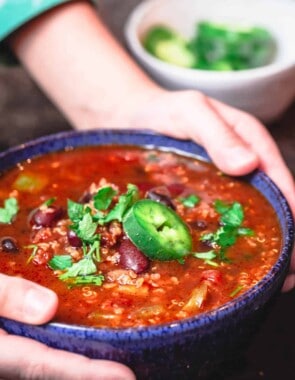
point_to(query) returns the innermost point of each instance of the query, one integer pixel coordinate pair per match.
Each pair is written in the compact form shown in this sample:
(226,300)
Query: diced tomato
(212,275)
(176,189)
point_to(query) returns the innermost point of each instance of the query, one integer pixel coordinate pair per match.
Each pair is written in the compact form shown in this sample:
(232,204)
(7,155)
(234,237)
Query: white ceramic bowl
(265,92)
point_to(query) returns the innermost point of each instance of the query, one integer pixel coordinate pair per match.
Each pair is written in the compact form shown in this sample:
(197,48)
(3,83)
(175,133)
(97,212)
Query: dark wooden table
(25,114)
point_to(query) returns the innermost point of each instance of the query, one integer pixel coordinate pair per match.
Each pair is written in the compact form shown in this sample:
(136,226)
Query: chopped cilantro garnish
(104,197)
(232,217)
(83,267)
(125,201)
(75,211)
(89,280)
(208,257)
(86,228)
(94,250)
(49,202)
(220,206)
(85,223)
(60,262)
(243,231)
(190,201)
(34,248)
(226,236)
(236,291)
(9,210)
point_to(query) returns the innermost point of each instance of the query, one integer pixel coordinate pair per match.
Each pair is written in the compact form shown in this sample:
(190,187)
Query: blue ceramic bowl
(181,348)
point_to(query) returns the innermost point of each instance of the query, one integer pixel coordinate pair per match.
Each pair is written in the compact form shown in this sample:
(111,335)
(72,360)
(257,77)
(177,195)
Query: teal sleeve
(15,13)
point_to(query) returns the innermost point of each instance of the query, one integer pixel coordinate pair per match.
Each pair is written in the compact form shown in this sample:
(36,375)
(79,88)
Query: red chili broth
(159,295)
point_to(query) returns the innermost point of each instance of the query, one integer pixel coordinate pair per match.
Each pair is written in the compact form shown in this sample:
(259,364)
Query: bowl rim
(199,321)
(130,33)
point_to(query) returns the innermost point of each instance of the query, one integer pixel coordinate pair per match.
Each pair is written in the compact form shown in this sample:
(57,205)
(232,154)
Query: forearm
(81,67)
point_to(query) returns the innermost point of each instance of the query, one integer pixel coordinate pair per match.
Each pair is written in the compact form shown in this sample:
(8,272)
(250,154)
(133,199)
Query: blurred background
(25,113)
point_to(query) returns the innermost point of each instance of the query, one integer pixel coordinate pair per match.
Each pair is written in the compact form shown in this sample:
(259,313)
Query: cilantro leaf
(190,201)
(210,255)
(243,231)
(104,197)
(9,210)
(89,279)
(208,237)
(226,236)
(125,201)
(220,206)
(60,262)
(94,250)
(230,214)
(231,218)
(86,228)
(234,216)
(49,202)
(75,211)
(83,267)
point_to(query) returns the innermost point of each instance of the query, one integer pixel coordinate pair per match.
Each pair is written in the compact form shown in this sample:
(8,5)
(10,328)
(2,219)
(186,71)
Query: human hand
(236,141)
(23,358)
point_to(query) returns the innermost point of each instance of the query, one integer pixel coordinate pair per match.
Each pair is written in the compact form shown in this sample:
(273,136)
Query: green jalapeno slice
(157,231)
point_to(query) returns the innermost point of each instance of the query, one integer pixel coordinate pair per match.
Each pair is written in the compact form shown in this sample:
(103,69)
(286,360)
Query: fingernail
(37,303)
(240,156)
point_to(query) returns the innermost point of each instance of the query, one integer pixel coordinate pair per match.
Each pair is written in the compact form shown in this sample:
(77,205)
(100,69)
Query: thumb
(26,301)
(33,360)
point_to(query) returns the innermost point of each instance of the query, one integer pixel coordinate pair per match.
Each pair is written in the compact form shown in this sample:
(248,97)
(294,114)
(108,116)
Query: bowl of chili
(160,261)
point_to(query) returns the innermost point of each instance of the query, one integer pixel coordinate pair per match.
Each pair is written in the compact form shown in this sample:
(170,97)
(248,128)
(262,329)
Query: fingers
(33,360)
(227,149)
(289,283)
(26,301)
(189,114)
(262,144)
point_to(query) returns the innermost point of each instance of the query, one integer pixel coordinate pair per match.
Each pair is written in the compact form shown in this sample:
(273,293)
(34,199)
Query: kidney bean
(161,195)
(73,239)
(46,217)
(8,244)
(132,258)
(85,197)
(176,189)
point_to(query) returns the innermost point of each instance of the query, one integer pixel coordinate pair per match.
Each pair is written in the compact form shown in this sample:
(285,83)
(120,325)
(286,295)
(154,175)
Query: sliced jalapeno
(157,231)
